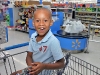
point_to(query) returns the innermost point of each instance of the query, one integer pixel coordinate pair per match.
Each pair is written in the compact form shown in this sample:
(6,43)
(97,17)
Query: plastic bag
(73,26)
(80,27)
(54,18)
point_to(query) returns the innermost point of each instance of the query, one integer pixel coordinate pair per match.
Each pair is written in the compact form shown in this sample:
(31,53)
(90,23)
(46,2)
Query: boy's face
(42,21)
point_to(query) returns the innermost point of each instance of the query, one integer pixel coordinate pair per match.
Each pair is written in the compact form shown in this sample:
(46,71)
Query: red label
(44,48)
(40,48)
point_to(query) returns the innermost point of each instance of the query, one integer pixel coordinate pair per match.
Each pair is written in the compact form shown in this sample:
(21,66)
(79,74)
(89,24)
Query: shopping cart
(11,63)
(74,66)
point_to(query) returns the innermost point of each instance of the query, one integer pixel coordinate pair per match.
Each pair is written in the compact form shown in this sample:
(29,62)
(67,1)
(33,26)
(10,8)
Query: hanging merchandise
(3,34)
(5,2)
(73,26)
(16,3)
(4,12)
(24,15)
(8,19)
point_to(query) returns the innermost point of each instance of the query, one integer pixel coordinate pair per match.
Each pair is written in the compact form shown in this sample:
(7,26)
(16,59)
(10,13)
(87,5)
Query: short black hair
(43,8)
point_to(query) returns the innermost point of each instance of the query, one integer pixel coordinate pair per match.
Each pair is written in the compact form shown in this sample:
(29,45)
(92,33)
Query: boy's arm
(57,65)
(29,56)
(29,59)
(41,66)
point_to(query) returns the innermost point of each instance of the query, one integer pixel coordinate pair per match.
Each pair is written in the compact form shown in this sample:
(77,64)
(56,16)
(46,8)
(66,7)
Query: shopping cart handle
(67,56)
(16,46)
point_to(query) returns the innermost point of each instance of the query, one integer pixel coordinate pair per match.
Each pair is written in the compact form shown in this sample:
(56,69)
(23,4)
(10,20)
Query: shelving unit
(89,16)
(67,12)
(21,18)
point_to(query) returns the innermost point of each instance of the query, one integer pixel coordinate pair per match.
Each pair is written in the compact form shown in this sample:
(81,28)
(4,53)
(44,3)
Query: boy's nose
(41,23)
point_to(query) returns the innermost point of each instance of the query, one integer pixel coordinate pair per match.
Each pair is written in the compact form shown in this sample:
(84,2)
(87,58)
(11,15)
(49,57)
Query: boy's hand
(37,68)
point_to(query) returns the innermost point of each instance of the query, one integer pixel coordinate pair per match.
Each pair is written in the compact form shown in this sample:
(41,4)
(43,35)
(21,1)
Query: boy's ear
(51,23)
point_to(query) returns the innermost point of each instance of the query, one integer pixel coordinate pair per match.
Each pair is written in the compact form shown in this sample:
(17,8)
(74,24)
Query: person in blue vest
(44,52)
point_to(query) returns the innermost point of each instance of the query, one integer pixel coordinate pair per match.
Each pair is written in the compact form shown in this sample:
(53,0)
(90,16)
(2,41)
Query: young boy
(44,51)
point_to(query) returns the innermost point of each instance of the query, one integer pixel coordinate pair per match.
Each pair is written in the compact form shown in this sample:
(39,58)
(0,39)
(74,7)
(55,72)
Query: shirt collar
(47,36)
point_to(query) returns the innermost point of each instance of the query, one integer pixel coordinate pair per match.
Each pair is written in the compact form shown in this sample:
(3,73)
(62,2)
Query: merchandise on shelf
(21,4)
(8,19)
(89,16)
(22,22)
(87,5)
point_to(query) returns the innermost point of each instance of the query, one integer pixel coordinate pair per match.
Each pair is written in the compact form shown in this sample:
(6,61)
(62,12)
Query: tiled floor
(16,37)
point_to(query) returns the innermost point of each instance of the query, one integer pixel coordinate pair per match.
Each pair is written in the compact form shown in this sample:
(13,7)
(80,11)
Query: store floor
(16,37)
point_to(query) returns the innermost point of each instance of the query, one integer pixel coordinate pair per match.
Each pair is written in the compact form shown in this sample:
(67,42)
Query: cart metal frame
(73,66)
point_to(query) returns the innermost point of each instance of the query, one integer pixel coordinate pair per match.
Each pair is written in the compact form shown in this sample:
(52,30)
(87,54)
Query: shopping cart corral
(74,65)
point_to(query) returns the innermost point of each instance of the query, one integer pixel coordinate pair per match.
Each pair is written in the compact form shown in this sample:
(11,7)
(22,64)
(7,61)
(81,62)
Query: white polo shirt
(47,50)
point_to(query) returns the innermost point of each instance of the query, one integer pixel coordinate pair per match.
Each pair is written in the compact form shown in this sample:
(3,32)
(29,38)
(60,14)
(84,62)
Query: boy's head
(42,20)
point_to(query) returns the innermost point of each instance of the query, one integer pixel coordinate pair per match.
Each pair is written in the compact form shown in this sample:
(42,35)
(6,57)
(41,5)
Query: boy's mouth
(41,29)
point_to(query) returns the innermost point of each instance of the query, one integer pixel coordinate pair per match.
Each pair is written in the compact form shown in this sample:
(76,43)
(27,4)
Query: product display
(7,19)
(89,16)
(22,22)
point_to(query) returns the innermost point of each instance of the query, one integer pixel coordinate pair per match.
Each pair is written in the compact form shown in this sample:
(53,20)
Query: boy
(44,48)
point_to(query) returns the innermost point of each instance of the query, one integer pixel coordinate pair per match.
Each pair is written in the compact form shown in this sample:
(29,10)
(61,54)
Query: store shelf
(98,17)
(21,18)
(86,16)
(89,17)
(98,20)
(92,26)
(85,12)
(88,20)
(85,22)
(98,12)
(97,23)
(21,30)
(61,8)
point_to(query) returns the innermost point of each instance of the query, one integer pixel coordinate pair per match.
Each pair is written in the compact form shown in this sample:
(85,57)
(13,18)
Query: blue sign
(40,1)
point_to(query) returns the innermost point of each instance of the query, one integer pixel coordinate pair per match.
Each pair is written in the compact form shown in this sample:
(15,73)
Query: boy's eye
(45,20)
(37,20)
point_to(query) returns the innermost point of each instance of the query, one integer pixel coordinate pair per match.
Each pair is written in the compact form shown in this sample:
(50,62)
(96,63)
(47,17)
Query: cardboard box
(33,3)
(46,3)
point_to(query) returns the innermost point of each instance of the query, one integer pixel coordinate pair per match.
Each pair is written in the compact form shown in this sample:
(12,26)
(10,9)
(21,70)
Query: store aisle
(16,37)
